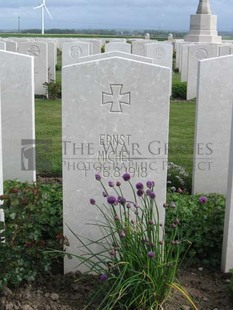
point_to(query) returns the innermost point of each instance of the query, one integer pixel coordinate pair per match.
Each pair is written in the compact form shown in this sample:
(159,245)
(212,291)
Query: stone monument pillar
(203,25)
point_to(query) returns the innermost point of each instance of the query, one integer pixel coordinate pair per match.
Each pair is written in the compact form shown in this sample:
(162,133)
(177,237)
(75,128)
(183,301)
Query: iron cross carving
(116,98)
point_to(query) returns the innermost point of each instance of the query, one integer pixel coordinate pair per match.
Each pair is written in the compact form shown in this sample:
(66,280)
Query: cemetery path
(70,292)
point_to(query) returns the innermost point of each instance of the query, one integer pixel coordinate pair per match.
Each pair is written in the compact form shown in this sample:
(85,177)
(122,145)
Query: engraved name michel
(114,154)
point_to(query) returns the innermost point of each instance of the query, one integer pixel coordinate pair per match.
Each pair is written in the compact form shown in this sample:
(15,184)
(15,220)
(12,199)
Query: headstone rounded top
(204,7)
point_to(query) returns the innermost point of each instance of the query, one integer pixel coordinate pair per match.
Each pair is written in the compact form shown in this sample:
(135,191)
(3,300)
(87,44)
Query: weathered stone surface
(213,125)
(197,52)
(118,46)
(72,51)
(39,51)
(106,101)
(17,104)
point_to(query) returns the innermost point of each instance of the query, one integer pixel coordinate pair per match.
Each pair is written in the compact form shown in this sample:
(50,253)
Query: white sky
(109,14)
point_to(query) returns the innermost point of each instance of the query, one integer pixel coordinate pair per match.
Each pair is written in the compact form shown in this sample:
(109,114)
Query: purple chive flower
(153,245)
(148,191)
(139,186)
(116,218)
(122,234)
(118,183)
(103,277)
(203,199)
(112,252)
(173,225)
(92,201)
(172,204)
(126,176)
(140,192)
(121,200)
(111,184)
(151,254)
(149,184)
(177,222)
(128,206)
(165,205)
(97,177)
(111,200)
(152,195)
(151,222)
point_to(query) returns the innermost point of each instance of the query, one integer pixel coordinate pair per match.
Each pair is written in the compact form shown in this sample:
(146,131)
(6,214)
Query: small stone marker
(102,112)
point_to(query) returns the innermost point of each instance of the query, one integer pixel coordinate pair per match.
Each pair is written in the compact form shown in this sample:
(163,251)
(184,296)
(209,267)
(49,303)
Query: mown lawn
(181,137)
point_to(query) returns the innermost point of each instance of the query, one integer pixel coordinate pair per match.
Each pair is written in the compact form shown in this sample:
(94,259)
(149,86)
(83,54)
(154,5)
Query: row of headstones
(113,93)
(187,57)
(45,54)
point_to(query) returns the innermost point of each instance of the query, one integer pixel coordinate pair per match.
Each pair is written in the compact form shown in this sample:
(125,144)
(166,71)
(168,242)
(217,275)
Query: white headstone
(112,94)
(118,46)
(11,46)
(162,54)
(113,54)
(96,46)
(178,44)
(72,51)
(227,247)
(224,50)
(52,56)
(39,51)
(197,52)
(213,125)
(18,124)
(138,47)
(184,63)
(3,46)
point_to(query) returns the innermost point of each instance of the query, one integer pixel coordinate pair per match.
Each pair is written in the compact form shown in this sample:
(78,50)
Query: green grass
(48,127)
(181,133)
(181,137)
(175,77)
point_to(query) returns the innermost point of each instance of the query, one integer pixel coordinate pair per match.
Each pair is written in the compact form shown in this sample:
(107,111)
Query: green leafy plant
(179,90)
(33,223)
(138,260)
(202,225)
(53,89)
(178,178)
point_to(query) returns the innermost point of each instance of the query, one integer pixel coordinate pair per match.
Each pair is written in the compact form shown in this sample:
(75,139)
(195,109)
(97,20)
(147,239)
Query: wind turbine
(43,7)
